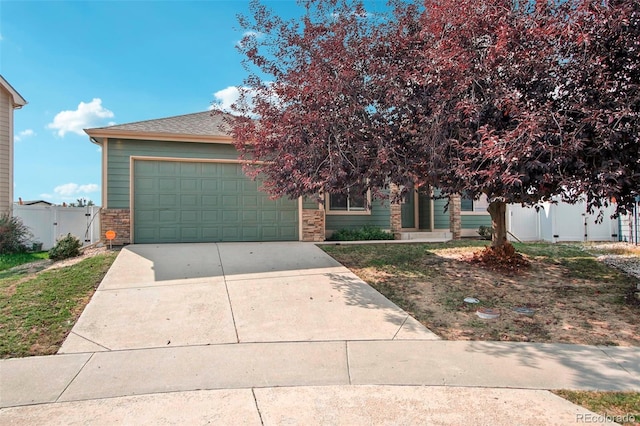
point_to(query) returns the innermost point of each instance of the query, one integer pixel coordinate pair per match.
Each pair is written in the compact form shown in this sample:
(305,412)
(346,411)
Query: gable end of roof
(17,99)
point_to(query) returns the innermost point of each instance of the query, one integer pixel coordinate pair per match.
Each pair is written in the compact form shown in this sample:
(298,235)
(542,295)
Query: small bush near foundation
(361,234)
(65,248)
(485,232)
(14,235)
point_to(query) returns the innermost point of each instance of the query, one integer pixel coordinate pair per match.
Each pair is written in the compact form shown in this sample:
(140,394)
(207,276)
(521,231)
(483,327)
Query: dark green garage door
(206,202)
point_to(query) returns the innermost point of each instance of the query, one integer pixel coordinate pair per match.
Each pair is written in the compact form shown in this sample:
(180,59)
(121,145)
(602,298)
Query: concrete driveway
(202,294)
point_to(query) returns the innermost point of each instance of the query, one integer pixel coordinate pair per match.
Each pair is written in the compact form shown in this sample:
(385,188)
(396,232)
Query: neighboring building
(10,99)
(179,179)
(34,203)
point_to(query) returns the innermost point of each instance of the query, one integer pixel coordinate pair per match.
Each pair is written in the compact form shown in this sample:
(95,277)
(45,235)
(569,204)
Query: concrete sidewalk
(278,333)
(82,376)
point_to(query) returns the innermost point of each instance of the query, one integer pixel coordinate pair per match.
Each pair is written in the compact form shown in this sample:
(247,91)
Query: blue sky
(82,64)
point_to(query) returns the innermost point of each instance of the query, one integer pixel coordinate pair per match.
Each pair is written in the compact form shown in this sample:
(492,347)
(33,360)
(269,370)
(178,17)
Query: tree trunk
(498,212)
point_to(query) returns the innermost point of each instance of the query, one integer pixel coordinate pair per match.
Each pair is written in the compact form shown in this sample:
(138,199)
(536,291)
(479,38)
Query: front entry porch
(426,236)
(418,219)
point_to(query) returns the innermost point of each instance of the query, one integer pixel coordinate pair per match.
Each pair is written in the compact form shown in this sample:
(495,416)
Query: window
(476,206)
(352,201)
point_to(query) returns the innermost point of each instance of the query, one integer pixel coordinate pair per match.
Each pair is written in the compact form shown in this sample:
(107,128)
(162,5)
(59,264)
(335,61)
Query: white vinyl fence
(629,223)
(561,222)
(50,223)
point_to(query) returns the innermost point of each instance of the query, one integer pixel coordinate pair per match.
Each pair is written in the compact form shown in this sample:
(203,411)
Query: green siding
(120,151)
(380,217)
(466,204)
(440,217)
(475,221)
(310,204)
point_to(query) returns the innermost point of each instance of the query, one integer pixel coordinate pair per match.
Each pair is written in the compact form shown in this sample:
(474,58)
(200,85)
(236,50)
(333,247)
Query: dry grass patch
(576,298)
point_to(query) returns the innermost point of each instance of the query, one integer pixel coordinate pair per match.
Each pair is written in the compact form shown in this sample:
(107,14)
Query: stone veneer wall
(395,218)
(312,225)
(455,220)
(395,212)
(118,220)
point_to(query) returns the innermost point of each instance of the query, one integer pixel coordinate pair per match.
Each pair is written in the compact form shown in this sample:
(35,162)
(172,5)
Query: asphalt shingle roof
(199,124)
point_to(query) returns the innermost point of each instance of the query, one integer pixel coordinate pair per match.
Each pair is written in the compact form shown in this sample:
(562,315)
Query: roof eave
(94,134)
(18,100)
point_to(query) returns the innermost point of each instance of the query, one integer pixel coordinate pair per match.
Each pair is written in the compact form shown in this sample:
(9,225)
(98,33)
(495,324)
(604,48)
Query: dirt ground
(594,305)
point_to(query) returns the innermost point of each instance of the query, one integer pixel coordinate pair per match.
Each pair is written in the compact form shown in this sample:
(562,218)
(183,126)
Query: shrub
(14,235)
(65,248)
(485,232)
(368,232)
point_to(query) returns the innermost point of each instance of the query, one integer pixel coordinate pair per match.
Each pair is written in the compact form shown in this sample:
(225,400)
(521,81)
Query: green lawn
(620,407)
(38,311)
(8,261)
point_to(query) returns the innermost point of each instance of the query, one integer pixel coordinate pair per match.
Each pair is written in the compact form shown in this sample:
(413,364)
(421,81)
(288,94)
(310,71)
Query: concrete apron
(334,405)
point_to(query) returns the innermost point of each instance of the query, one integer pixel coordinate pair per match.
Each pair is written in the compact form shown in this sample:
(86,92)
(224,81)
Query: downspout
(620,228)
(635,218)
(432,214)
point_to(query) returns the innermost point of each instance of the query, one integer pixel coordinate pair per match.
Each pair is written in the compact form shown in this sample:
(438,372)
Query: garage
(205,201)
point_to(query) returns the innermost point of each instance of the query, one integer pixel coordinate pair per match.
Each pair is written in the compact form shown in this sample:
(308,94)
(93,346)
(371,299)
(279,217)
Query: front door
(408,211)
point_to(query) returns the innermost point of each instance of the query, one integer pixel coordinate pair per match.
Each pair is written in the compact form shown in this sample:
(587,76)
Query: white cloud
(91,114)
(249,34)
(46,196)
(254,34)
(24,134)
(72,189)
(226,97)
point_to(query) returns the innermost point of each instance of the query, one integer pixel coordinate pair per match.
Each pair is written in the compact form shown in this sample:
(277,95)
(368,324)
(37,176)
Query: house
(10,99)
(34,202)
(179,179)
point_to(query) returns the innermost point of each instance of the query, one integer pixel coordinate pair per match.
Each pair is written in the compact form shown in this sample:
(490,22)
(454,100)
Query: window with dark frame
(353,200)
(467,204)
